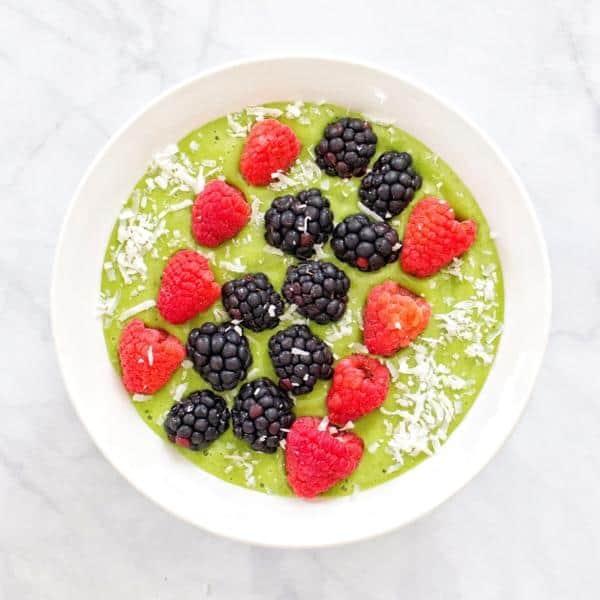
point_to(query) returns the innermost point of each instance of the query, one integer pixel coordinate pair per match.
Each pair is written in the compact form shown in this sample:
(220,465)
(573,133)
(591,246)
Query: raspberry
(219,213)
(317,458)
(433,237)
(148,357)
(393,318)
(187,287)
(360,385)
(270,147)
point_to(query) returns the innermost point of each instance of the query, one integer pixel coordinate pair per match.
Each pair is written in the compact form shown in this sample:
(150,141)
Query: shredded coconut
(137,235)
(293,111)
(179,391)
(140,397)
(243,461)
(427,393)
(371,213)
(256,217)
(323,424)
(107,304)
(175,207)
(234,266)
(300,352)
(174,168)
(138,308)
(302,173)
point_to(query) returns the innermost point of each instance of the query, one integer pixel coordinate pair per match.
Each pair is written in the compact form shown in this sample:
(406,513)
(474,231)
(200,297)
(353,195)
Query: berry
(393,318)
(365,244)
(197,420)
(220,354)
(270,147)
(433,237)
(318,289)
(187,287)
(391,185)
(253,302)
(262,414)
(219,213)
(300,358)
(317,458)
(296,223)
(148,357)
(346,147)
(360,385)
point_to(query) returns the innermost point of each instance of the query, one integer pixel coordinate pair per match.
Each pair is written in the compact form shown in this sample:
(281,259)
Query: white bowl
(176,484)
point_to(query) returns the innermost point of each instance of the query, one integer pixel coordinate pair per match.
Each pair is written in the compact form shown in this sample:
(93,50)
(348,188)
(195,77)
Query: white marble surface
(528,72)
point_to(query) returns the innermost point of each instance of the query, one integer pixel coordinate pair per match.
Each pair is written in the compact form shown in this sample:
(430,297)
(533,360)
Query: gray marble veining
(528,72)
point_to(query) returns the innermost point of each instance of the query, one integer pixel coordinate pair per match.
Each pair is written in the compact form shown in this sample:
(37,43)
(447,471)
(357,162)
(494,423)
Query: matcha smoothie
(434,381)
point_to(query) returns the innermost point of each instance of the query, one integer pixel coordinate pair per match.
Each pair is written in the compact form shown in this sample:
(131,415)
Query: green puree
(435,381)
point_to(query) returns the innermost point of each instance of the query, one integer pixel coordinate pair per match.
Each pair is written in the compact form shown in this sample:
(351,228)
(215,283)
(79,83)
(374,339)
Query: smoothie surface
(434,382)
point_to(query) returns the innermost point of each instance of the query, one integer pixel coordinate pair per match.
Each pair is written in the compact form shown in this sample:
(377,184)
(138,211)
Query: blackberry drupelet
(346,147)
(220,354)
(365,244)
(262,414)
(318,289)
(296,223)
(197,420)
(300,358)
(391,185)
(252,301)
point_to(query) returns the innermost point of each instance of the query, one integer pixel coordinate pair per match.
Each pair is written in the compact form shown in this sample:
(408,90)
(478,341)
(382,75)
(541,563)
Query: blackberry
(197,420)
(365,244)
(346,147)
(391,185)
(262,414)
(296,223)
(319,290)
(252,301)
(220,354)
(300,358)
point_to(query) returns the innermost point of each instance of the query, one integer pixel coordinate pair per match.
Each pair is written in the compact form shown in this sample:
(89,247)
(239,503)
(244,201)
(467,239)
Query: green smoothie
(434,382)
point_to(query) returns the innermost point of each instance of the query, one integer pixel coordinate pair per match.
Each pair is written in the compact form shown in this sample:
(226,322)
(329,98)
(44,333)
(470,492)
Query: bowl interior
(166,477)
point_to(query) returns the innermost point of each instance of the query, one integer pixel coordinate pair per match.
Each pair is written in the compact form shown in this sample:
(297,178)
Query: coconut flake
(234,266)
(302,173)
(293,111)
(138,308)
(245,463)
(256,217)
(260,112)
(179,391)
(300,352)
(175,207)
(323,424)
(371,213)
(272,250)
(141,397)
(107,304)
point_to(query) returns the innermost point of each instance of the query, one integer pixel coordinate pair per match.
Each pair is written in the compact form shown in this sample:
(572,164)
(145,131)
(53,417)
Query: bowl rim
(544,314)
